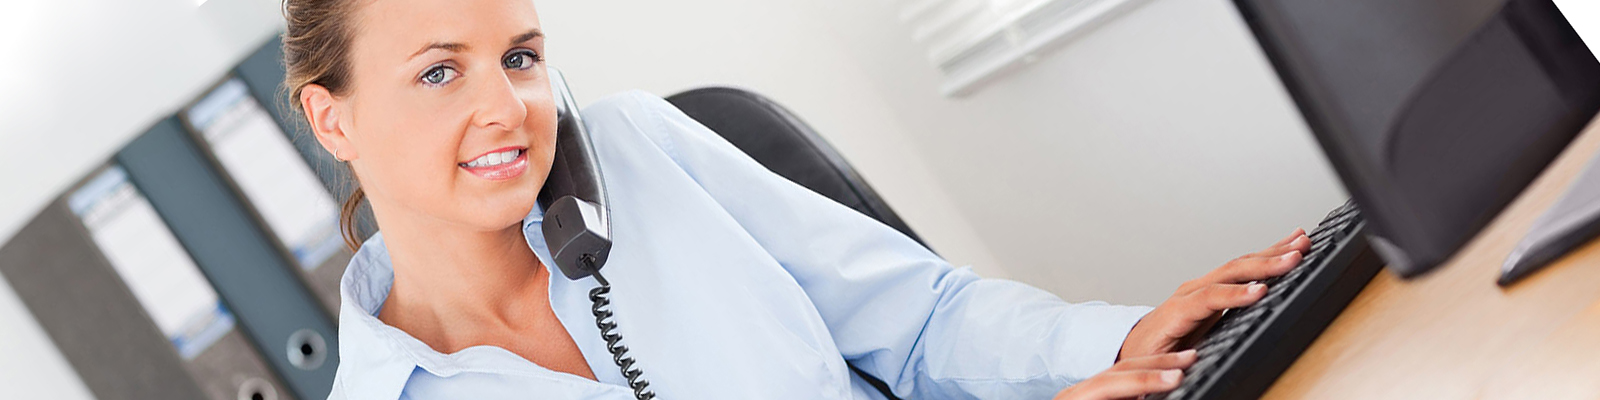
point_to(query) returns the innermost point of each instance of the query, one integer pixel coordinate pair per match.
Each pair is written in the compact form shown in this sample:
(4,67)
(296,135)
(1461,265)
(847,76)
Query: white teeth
(493,159)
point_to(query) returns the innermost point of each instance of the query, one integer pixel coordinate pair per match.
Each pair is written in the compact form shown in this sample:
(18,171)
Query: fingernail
(1288,256)
(1256,288)
(1186,354)
(1171,375)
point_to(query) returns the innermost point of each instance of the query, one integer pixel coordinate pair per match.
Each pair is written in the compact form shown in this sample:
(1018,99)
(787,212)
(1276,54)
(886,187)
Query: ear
(323,112)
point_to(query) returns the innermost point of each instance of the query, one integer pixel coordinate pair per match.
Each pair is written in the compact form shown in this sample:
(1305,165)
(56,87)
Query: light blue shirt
(731,282)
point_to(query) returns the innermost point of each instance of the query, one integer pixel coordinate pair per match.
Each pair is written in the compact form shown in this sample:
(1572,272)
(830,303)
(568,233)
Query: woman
(728,281)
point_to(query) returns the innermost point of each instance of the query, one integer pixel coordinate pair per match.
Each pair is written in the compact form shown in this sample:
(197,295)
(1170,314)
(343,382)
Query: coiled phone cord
(600,296)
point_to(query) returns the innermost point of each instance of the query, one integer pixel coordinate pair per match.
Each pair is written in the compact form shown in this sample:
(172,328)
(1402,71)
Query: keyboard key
(1216,343)
(1201,366)
(1252,314)
(1213,349)
(1294,274)
(1233,332)
(1321,241)
(1173,395)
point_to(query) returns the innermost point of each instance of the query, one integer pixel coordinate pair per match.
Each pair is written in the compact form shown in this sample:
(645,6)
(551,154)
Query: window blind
(972,42)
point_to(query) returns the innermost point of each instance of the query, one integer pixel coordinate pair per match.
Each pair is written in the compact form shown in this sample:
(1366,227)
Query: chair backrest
(783,143)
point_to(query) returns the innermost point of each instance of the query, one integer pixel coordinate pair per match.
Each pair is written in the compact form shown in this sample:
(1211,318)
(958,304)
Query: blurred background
(1143,144)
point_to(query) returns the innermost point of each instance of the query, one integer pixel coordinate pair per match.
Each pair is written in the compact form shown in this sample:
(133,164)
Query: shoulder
(628,103)
(635,127)
(624,118)
(634,110)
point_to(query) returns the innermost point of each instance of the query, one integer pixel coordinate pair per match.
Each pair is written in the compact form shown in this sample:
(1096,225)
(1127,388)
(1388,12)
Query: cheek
(412,159)
(543,149)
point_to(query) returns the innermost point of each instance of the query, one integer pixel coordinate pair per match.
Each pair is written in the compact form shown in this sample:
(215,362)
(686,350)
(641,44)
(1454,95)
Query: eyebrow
(461,47)
(446,46)
(526,36)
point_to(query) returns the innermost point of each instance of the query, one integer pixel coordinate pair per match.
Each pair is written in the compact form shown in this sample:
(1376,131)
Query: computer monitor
(1434,113)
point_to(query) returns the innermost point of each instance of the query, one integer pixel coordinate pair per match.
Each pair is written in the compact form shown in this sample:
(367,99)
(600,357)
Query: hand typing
(1179,322)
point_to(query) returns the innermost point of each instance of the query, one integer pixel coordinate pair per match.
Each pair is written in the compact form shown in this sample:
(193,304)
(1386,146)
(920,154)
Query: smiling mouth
(493,159)
(498,165)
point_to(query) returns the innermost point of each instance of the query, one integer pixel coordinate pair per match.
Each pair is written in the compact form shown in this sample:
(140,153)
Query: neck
(447,277)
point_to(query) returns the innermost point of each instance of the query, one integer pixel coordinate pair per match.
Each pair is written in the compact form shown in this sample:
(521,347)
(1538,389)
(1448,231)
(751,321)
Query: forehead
(387,26)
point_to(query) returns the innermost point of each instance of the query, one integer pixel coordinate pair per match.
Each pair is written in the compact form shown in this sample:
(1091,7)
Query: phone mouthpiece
(575,233)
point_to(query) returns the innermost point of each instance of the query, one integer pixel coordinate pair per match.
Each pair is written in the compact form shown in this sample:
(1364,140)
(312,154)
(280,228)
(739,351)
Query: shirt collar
(371,365)
(531,225)
(375,359)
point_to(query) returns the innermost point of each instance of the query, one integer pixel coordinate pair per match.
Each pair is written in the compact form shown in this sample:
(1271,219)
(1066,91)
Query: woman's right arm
(894,309)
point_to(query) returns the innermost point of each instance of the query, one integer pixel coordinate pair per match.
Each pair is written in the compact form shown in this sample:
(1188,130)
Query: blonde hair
(316,50)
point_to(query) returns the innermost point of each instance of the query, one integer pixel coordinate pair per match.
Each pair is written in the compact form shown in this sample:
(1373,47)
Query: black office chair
(784,144)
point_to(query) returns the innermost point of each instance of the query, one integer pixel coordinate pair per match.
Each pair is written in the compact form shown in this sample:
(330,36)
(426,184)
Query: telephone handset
(577,219)
(577,222)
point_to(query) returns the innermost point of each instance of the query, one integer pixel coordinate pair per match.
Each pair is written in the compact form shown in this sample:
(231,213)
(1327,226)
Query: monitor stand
(1572,222)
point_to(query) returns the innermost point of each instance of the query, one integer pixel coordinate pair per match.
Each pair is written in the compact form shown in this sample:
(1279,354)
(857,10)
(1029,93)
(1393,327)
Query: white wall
(1140,155)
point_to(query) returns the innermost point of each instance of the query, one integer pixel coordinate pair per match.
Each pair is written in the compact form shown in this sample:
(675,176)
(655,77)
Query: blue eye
(439,75)
(520,59)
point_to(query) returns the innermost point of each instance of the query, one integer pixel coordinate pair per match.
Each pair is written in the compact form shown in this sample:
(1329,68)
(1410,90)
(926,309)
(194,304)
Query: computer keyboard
(1249,347)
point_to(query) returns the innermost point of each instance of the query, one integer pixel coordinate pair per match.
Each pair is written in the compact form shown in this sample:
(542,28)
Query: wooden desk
(1454,334)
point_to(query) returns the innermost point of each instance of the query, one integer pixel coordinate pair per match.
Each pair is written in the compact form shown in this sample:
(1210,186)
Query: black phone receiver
(577,220)
(577,223)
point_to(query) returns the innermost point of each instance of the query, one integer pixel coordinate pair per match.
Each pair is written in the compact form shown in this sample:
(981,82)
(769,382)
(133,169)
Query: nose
(499,107)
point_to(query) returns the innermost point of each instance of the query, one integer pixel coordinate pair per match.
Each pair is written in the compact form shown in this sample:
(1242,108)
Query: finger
(1178,360)
(1254,268)
(1224,296)
(1198,308)
(1299,242)
(1212,299)
(1124,384)
(1297,233)
(1285,241)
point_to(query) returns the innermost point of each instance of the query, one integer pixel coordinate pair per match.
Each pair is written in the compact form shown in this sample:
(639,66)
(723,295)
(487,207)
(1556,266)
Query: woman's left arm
(895,309)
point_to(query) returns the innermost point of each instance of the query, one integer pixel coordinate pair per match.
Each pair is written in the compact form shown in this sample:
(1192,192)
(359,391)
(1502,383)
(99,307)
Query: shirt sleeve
(895,309)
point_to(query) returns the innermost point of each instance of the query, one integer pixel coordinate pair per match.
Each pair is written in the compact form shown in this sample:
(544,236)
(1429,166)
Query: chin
(501,213)
(498,206)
